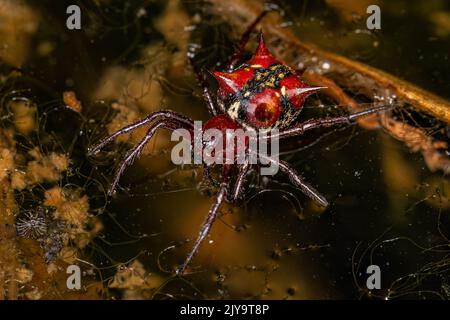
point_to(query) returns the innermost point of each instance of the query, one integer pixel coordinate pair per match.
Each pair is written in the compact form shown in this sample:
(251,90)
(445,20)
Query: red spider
(258,94)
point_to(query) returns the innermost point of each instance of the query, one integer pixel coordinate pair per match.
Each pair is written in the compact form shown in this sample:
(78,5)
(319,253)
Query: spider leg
(205,228)
(205,88)
(297,180)
(325,122)
(167,114)
(136,150)
(208,176)
(337,94)
(240,180)
(237,55)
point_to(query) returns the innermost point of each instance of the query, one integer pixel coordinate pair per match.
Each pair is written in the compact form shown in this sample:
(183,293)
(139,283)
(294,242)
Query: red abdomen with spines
(262,93)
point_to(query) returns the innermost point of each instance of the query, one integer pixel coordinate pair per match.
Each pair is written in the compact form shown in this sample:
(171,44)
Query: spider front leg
(164,114)
(212,108)
(326,122)
(137,149)
(237,55)
(170,120)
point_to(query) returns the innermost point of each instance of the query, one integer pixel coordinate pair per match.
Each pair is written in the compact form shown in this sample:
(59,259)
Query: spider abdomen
(263,92)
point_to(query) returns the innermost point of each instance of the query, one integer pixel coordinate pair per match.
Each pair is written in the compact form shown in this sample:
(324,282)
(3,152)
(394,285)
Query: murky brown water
(387,207)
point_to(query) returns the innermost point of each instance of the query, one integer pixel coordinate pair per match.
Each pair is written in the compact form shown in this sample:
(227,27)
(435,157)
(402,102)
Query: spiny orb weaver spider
(261,93)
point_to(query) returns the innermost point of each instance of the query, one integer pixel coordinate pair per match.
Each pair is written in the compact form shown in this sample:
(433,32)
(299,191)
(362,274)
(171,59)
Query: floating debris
(33,225)
(71,101)
(53,242)
(40,225)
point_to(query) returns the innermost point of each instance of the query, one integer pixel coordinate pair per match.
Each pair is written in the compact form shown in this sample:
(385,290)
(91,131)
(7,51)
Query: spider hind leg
(205,228)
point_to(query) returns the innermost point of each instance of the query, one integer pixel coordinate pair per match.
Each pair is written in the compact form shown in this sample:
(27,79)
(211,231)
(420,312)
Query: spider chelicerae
(261,93)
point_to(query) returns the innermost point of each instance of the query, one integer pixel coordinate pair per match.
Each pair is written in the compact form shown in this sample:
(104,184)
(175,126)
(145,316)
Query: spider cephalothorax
(262,92)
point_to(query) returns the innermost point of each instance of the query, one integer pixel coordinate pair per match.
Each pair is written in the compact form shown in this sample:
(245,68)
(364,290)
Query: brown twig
(418,141)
